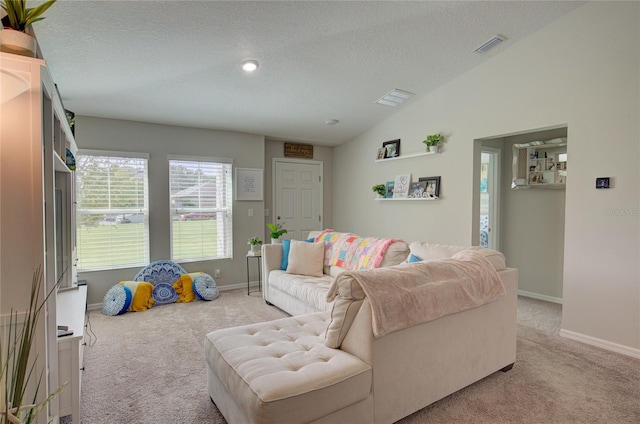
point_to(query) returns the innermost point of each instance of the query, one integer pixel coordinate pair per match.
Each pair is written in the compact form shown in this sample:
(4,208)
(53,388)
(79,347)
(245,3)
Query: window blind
(112,211)
(201,209)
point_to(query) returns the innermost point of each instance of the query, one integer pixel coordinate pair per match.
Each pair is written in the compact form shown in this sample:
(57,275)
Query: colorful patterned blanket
(353,252)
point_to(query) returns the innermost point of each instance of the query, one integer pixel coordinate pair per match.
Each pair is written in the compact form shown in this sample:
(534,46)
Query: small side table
(259,258)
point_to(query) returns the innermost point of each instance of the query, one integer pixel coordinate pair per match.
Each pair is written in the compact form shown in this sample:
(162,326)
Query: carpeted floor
(149,367)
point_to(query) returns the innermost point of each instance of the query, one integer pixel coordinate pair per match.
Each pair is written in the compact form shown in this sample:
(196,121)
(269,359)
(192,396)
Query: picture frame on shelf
(389,186)
(401,186)
(536,178)
(392,148)
(381,153)
(432,188)
(418,190)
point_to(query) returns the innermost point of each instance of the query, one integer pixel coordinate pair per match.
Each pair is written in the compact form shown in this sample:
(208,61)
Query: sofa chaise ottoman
(339,366)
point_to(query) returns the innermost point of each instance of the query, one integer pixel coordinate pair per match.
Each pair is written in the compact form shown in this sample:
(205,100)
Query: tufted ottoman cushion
(281,371)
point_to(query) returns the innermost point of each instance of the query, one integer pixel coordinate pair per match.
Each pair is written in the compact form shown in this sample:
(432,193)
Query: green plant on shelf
(380,189)
(433,140)
(254,241)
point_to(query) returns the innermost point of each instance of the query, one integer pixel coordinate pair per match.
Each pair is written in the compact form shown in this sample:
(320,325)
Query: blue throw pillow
(286,247)
(413,258)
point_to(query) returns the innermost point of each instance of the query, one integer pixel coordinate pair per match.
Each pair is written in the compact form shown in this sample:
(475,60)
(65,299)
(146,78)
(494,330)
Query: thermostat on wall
(602,182)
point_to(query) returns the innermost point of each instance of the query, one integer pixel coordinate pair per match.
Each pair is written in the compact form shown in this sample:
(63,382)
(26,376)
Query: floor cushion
(162,274)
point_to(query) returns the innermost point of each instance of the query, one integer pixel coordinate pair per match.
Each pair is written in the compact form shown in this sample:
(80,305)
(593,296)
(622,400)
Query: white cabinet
(540,164)
(37,216)
(71,313)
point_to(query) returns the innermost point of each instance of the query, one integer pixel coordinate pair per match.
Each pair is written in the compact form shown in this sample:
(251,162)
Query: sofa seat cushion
(312,290)
(281,371)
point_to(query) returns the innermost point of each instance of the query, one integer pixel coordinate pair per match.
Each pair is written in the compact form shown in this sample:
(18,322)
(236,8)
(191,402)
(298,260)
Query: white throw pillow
(306,258)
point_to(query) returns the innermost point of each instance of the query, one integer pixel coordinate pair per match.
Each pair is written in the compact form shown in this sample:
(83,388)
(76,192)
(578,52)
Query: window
(112,210)
(201,216)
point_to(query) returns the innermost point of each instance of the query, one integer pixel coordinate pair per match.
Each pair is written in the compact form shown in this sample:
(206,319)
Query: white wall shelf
(407,156)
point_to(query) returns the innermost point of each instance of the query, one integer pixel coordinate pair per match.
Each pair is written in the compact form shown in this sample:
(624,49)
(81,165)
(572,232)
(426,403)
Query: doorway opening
(526,224)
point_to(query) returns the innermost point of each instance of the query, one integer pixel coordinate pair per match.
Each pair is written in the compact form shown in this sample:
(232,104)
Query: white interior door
(297,196)
(489,197)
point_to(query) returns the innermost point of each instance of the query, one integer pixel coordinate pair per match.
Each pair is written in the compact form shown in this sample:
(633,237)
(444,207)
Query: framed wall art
(418,190)
(401,186)
(248,184)
(389,186)
(432,187)
(392,148)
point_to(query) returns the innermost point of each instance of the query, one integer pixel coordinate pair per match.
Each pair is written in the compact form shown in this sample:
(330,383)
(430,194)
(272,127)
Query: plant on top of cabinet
(433,141)
(14,38)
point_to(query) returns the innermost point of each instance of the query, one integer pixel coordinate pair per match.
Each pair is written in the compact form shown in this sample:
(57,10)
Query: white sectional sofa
(335,366)
(299,294)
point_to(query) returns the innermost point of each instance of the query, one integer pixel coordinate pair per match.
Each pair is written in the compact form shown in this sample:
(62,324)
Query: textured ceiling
(177,62)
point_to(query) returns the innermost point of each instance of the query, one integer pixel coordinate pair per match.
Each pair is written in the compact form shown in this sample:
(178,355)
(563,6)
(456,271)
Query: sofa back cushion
(396,254)
(430,251)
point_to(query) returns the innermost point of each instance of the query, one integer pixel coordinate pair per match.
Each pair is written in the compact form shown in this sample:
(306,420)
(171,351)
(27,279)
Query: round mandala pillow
(117,300)
(162,274)
(205,287)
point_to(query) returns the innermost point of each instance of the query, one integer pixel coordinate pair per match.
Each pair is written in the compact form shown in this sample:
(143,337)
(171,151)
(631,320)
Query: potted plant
(433,141)
(14,37)
(380,190)
(17,364)
(255,244)
(276,232)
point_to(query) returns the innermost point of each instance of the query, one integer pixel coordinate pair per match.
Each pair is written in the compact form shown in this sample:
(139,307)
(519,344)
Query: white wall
(246,150)
(581,71)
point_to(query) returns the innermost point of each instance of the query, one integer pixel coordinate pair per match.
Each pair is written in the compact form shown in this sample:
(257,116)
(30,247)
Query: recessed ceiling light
(394,97)
(250,65)
(331,122)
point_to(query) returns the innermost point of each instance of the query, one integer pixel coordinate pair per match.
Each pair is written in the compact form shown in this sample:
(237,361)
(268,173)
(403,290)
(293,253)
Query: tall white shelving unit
(37,208)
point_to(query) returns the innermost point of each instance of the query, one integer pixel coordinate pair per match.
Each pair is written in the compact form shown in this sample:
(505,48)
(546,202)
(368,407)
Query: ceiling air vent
(394,97)
(497,39)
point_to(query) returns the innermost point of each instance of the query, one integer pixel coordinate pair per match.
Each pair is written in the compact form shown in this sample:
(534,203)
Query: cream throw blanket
(405,295)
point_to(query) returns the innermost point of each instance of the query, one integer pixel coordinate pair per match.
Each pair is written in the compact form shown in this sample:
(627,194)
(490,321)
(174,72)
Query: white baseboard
(603,344)
(540,296)
(98,306)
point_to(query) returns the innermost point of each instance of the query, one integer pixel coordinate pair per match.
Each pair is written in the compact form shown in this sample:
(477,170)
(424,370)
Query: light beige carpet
(149,367)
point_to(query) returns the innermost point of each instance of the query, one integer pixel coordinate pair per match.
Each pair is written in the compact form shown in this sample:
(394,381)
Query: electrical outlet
(216,273)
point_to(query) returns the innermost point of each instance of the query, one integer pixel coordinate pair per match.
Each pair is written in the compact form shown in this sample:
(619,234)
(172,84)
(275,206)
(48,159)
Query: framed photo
(381,153)
(401,186)
(418,190)
(248,184)
(535,178)
(432,188)
(392,148)
(389,192)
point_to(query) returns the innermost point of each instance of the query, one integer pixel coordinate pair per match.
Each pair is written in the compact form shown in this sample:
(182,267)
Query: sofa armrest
(271,260)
